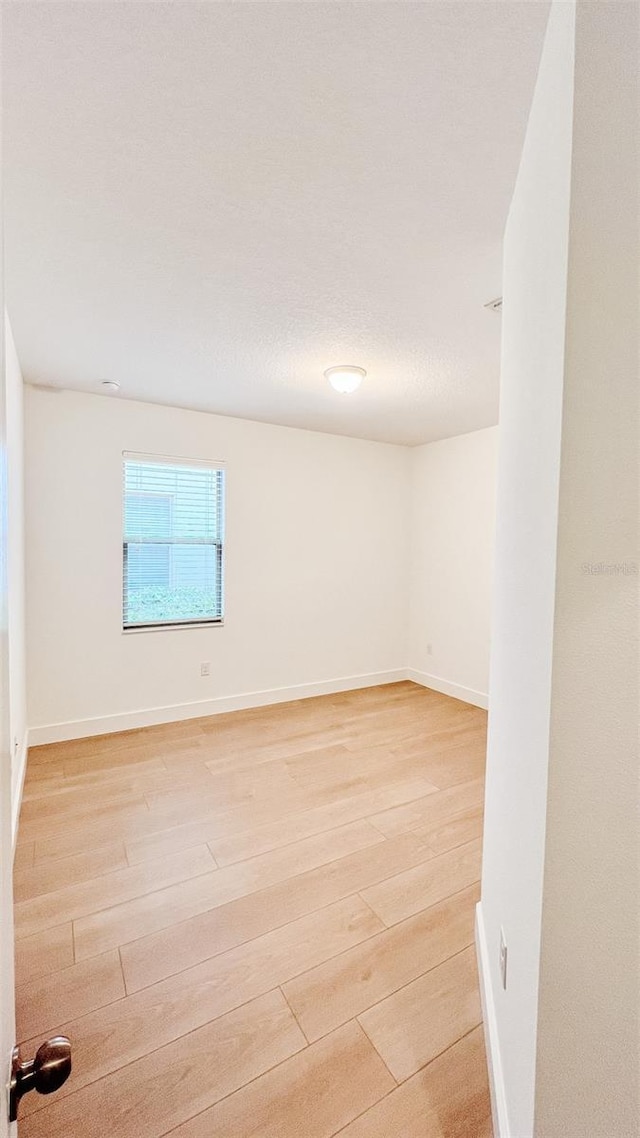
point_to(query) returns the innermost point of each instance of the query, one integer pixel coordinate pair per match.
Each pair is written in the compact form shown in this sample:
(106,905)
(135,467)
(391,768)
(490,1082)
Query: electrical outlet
(503,959)
(205,668)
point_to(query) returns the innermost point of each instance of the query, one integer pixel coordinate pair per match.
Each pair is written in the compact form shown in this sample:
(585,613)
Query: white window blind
(172,549)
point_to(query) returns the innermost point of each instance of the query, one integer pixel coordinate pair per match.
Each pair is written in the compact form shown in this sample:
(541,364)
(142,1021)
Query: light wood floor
(259,923)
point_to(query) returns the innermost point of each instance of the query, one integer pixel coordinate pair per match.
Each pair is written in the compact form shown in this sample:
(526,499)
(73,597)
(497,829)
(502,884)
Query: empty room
(319,549)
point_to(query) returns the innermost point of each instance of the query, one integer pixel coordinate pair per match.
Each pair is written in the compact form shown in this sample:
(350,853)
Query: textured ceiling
(211,203)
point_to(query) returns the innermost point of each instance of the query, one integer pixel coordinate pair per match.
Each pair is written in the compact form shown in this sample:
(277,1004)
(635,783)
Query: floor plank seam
(377,1051)
(372,823)
(449,896)
(281,990)
(371,910)
(450,1047)
(251,893)
(393,1090)
(124,978)
(387,995)
(73,943)
(249,940)
(230,1094)
(296,841)
(138,896)
(83,881)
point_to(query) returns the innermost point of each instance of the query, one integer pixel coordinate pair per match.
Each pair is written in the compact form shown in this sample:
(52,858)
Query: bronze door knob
(44,1074)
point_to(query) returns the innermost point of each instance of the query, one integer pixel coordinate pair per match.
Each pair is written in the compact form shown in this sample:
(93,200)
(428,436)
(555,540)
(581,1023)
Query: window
(173,542)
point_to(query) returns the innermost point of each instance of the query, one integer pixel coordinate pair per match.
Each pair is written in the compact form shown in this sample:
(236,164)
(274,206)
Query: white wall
(15,568)
(589,1007)
(324,584)
(316,565)
(561,867)
(452,531)
(7,796)
(534,289)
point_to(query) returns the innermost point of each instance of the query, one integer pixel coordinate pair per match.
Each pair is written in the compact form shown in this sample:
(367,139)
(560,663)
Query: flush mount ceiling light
(345,378)
(109,386)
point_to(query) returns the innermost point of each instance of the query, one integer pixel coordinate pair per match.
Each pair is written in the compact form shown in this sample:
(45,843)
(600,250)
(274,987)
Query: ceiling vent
(494,305)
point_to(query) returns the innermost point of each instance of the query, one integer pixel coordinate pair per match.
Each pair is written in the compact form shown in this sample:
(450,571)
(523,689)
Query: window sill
(172,627)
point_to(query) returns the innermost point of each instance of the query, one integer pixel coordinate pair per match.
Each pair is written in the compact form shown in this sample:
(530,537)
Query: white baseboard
(447,687)
(17,784)
(130,720)
(150,717)
(494,1061)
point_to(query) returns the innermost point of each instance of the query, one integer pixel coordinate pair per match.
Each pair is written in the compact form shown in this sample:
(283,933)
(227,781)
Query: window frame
(219,545)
